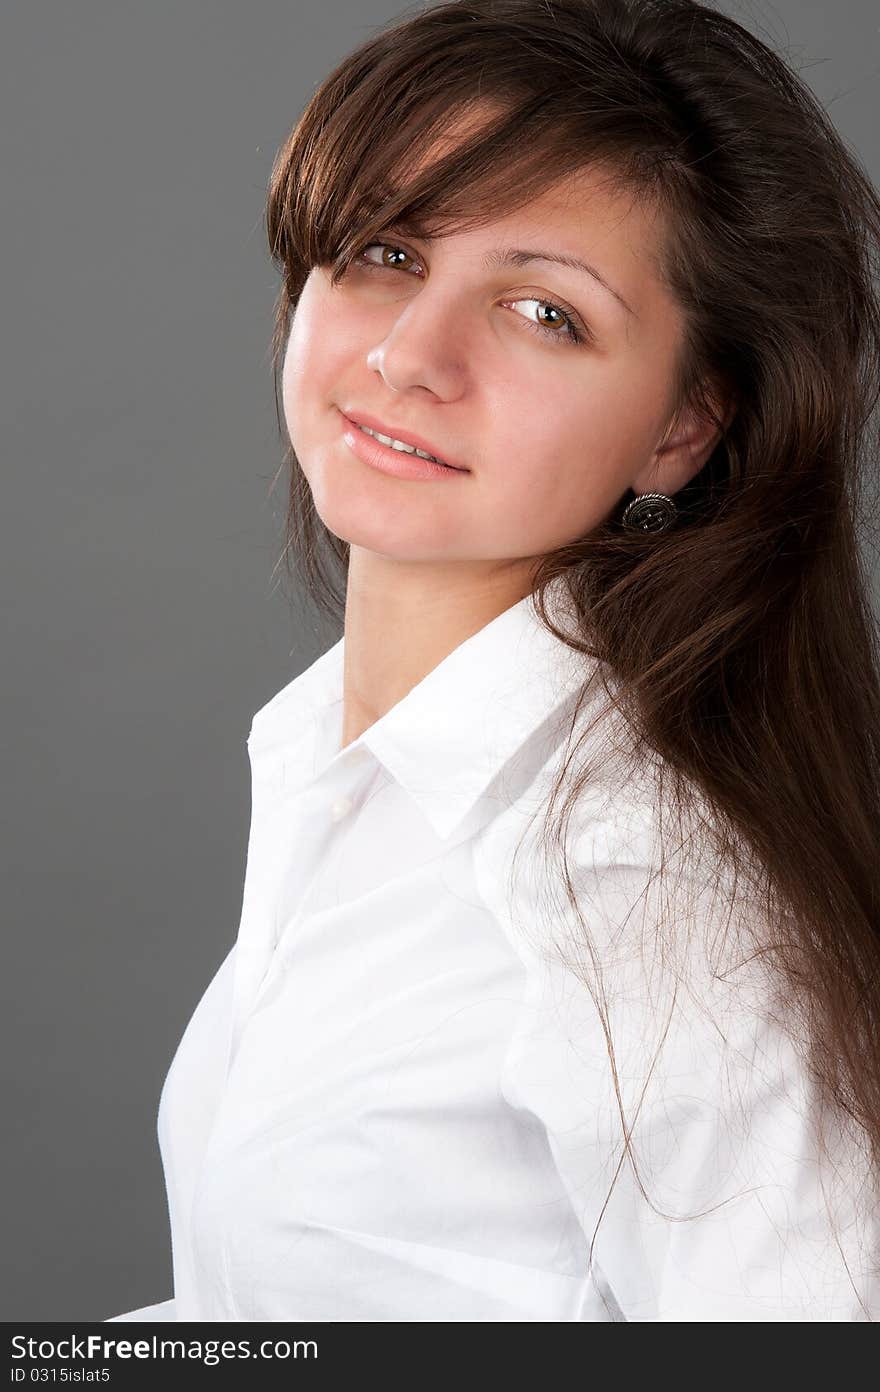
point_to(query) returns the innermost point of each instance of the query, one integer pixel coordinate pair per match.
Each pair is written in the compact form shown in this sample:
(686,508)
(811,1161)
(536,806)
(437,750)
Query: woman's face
(476,358)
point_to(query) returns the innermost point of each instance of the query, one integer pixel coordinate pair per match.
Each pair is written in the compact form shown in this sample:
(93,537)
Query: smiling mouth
(409,442)
(410,462)
(400,446)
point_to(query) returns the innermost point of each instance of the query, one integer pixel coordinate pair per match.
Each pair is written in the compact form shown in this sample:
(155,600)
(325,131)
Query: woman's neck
(403,618)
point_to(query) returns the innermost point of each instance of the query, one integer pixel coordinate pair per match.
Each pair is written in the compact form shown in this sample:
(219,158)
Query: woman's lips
(396,430)
(391,461)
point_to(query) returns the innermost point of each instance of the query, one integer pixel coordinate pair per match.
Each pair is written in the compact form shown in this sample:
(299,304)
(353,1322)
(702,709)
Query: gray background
(143,620)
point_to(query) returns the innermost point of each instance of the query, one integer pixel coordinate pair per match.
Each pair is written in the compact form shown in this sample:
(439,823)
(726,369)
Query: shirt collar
(446,740)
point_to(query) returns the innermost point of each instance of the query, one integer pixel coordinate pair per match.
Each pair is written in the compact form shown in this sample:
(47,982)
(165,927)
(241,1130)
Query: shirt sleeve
(163,1310)
(743,1198)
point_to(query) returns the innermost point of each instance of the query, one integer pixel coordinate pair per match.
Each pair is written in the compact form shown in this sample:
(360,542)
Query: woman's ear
(687,445)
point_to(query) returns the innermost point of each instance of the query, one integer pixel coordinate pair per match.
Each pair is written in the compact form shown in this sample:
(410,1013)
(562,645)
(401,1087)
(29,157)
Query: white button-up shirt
(394,1100)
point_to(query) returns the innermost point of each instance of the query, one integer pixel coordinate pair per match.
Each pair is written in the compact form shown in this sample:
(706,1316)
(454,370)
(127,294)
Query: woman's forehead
(591,192)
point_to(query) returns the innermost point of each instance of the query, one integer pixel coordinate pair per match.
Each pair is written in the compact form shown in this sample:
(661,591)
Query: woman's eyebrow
(516,256)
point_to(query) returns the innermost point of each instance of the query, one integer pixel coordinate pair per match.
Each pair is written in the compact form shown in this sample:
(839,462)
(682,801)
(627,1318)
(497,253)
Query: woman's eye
(568,329)
(564,327)
(361,257)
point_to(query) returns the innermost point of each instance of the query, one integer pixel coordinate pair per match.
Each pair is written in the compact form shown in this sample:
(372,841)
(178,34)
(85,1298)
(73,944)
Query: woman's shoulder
(617,845)
(635,928)
(668,1062)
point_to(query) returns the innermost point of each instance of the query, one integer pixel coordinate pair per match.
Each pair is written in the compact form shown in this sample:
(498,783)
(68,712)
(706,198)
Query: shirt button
(341,808)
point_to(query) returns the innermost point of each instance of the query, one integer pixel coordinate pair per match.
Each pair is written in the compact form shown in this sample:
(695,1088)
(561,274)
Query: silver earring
(649,512)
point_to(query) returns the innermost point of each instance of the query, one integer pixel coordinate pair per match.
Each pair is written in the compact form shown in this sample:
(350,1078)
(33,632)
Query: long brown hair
(742,641)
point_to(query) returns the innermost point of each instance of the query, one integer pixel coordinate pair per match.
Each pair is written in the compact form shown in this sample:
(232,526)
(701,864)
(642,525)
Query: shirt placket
(286,861)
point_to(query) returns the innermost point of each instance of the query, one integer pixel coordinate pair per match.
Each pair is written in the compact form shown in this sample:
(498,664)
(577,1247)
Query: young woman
(556,994)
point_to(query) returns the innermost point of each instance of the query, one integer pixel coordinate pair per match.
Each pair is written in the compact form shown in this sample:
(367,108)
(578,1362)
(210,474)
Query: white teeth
(399,445)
